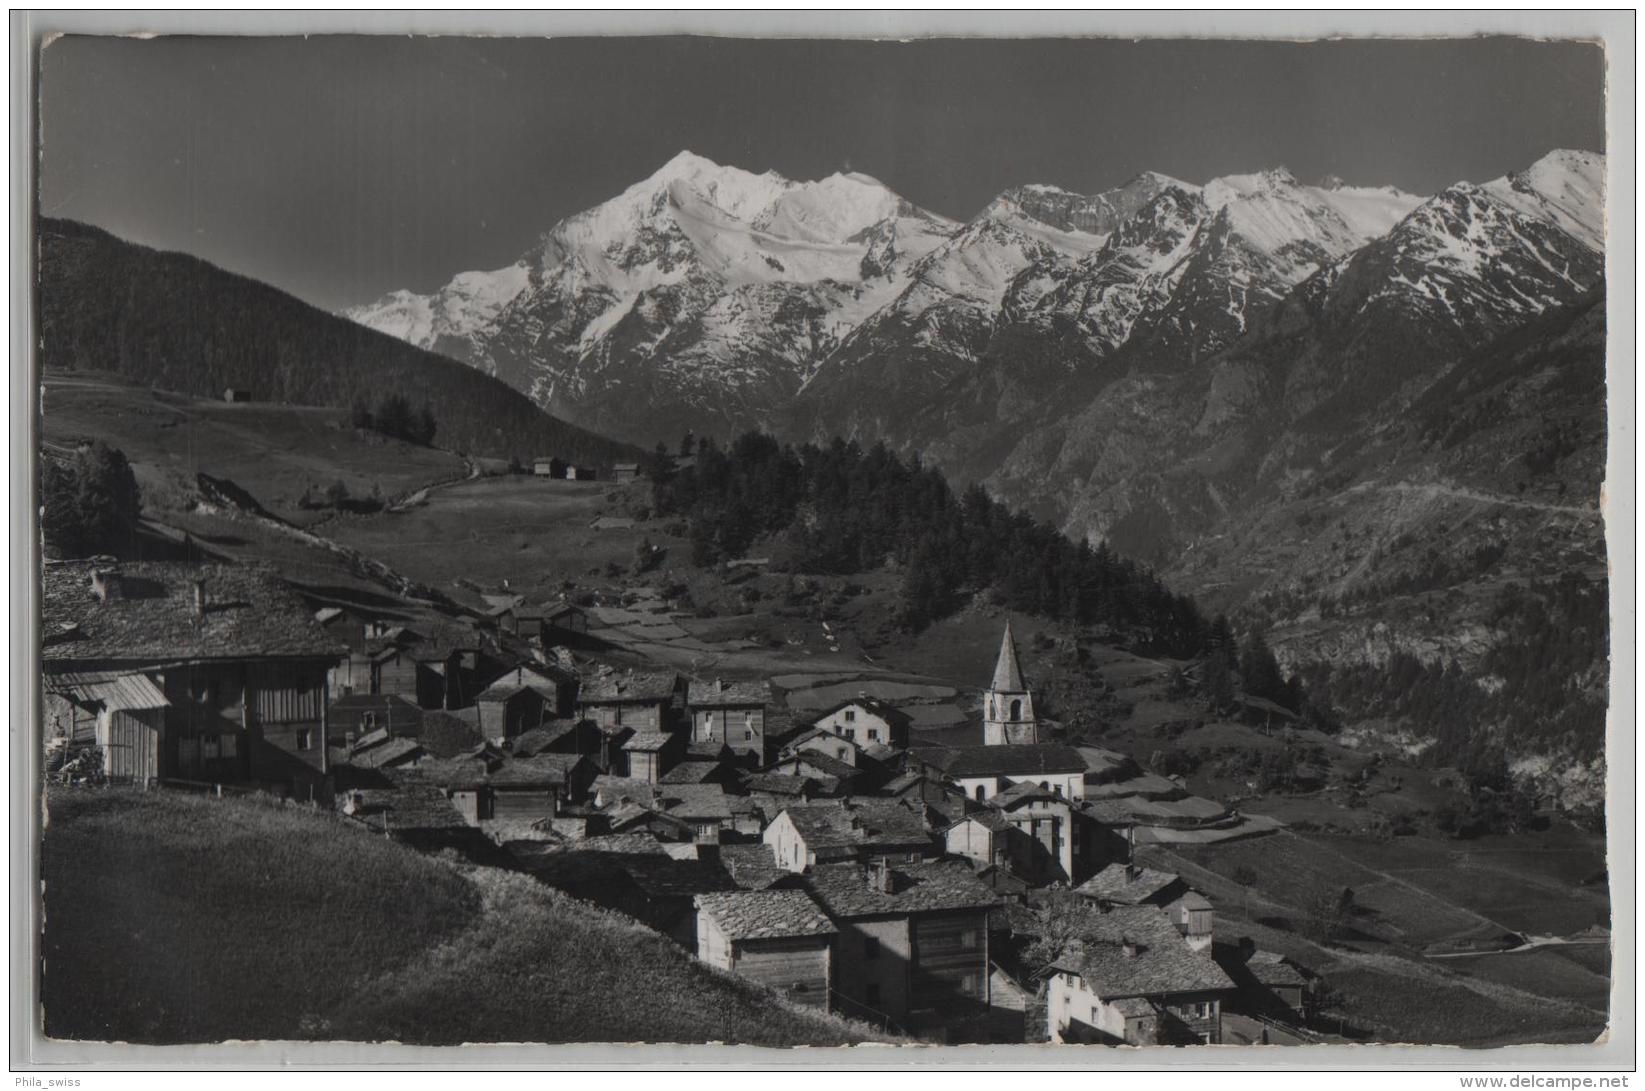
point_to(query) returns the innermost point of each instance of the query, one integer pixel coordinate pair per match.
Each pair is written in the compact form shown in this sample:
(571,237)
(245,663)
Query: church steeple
(1008,708)
(1007,674)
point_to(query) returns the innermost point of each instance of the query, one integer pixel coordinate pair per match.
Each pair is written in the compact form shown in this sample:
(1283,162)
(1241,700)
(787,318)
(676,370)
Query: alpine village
(442,720)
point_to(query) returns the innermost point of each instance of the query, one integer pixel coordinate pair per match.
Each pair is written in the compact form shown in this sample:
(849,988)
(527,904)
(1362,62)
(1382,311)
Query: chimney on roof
(1132,873)
(1128,947)
(199,598)
(880,878)
(108,584)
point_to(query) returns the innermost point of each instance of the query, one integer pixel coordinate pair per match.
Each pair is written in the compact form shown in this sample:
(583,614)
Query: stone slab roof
(721,694)
(250,613)
(989,761)
(1124,885)
(765,914)
(1159,963)
(933,886)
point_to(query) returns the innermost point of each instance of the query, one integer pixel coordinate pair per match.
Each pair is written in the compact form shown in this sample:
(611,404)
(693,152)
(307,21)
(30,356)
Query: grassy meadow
(172,919)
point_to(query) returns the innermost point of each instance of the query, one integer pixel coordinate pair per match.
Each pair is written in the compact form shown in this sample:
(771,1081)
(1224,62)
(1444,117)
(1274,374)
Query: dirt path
(1435,490)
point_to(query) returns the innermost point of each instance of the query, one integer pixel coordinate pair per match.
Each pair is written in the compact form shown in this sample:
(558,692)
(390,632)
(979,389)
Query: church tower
(1008,709)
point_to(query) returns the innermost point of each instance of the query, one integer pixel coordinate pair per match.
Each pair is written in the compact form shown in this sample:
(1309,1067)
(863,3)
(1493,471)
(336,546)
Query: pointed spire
(1007,674)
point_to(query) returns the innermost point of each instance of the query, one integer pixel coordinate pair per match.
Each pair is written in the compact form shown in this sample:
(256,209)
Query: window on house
(840,752)
(1056,790)
(370,720)
(850,715)
(747,735)
(870,948)
(208,747)
(968,938)
(873,735)
(851,733)
(305,738)
(981,795)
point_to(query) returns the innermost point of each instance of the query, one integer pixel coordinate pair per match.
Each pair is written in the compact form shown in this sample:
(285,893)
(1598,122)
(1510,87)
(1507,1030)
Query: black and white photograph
(1086,542)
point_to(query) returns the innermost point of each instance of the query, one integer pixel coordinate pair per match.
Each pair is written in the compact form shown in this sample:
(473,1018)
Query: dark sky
(340,168)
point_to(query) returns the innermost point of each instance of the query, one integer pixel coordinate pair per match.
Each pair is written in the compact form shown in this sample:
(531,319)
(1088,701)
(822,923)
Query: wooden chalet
(198,672)
(732,713)
(779,938)
(913,942)
(642,700)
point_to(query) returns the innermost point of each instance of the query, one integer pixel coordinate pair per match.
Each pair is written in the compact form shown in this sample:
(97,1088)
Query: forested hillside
(177,323)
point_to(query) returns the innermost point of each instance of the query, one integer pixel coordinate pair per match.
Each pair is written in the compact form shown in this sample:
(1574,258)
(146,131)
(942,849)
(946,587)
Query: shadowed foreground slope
(178,919)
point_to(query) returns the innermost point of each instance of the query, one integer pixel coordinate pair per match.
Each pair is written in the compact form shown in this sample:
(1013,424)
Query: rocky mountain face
(1255,384)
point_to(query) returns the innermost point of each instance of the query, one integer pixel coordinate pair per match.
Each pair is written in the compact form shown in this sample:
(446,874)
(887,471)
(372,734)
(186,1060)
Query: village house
(625,471)
(203,672)
(833,776)
(1131,884)
(913,942)
(820,741)
(652,753)
(642,700)
(866,721)
(486,784)
(732,713)
(236,395)
(1132,979)
(1060,840)
(983,772)
(862,831)
(1008,707)
(1284,985)
(507,708)
(779,938)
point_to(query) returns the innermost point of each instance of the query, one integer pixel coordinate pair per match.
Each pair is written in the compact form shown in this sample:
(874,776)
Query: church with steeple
(1008,709)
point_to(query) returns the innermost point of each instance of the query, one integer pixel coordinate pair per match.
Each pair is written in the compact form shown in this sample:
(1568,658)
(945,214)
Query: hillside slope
(177,323)
(160,909)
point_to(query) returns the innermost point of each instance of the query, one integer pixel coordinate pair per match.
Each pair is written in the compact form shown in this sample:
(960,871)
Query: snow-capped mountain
(704,287)
(711,297)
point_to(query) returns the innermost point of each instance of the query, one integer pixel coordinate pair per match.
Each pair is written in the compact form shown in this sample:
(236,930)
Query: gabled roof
(648,740)
(1123,884)
(1007,673)
(752,866)
(1160,962)
(779,784)
(825,764)
(989,819)
(858,824)
(614,688)
(765,914)
(932,886)
(666,877)
(537,739)
(408,807)
(721,694)
(1273,969)
(250,614)
(693,801)
(891,714)
(690,772)
(985,761)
